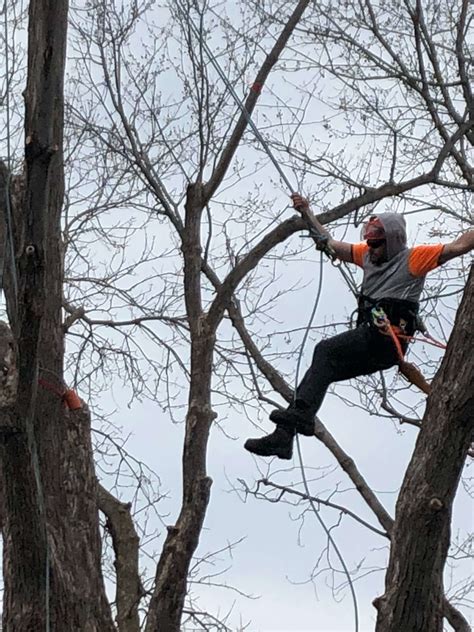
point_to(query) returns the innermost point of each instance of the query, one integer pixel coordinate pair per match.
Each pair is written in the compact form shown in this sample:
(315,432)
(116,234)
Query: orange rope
(429,340)
(396,341)
(410,371)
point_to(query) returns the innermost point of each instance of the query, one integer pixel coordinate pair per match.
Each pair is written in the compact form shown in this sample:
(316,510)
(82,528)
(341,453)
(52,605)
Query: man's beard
(377,261)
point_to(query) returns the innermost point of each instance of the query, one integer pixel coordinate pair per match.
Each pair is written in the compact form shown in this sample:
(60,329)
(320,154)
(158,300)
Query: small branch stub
(436,504)
(30,250)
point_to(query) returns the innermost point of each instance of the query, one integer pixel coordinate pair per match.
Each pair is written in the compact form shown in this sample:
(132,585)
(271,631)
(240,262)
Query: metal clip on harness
(379,318)
(382,322)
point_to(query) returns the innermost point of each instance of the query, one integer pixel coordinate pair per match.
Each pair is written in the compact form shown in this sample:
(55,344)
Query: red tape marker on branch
(256,87)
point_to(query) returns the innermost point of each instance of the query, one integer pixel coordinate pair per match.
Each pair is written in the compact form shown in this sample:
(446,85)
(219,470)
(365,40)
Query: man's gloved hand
(322,241)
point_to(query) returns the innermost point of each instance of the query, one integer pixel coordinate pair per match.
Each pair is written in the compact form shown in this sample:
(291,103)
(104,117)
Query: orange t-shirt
(422,259)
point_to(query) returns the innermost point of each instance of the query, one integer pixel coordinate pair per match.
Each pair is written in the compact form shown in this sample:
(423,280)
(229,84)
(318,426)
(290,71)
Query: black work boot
(301,420)
(279,443)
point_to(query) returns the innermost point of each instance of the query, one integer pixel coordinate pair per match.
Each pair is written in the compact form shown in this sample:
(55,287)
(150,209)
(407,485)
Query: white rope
(300,454)
(240,104)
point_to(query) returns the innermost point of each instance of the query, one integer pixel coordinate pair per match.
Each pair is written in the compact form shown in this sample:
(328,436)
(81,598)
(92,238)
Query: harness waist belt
(401,313)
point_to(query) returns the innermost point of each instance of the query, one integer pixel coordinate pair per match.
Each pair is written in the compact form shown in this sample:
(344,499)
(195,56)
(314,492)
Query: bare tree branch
(126,545)
(271,59)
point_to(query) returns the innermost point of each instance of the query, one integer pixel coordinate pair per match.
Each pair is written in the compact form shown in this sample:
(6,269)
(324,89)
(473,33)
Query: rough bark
(413,599)
(126,546)
(52,551)
(167,601)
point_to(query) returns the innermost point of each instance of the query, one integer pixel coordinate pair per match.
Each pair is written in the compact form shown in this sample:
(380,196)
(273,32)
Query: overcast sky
(274,562)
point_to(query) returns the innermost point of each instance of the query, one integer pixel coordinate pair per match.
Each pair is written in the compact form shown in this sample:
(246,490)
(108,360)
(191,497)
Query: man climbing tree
(151,149)
(393,280)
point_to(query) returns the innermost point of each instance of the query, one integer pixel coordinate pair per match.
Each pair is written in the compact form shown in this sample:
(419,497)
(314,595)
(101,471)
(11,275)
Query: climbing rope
(408,369)
(300,454)
(68,396)
(256,88)
(29,421)
(427,339)
(319,240)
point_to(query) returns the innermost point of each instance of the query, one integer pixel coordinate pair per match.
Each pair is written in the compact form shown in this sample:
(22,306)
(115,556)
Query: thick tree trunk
(413,599)
(77,598)
(52,552)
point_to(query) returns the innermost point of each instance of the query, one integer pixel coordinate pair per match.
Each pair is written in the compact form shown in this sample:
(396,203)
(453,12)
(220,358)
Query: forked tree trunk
(413,599)
(166,604)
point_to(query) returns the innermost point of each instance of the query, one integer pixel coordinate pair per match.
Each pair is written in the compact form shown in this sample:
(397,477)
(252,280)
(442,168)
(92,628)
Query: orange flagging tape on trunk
(71,399)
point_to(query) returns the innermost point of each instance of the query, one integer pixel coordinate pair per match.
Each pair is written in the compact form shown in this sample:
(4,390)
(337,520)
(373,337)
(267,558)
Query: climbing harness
(402,312)
(408,369)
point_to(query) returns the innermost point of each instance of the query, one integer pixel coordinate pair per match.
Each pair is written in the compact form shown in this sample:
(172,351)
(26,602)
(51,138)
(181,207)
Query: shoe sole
(286,456)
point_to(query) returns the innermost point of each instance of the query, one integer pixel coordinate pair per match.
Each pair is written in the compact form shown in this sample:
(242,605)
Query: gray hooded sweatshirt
(392,278)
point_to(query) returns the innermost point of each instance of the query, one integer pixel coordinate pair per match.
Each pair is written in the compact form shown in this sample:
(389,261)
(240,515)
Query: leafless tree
(170,276)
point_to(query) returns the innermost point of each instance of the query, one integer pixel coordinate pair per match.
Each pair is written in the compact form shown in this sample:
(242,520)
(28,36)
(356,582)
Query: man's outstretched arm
(460,246)
(342,249)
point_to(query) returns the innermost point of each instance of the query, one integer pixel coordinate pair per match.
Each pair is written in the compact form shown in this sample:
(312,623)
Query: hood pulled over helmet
(373,229)
(388,226)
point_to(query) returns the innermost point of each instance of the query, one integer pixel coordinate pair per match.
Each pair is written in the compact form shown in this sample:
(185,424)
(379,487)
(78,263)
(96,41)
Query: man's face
(377,250)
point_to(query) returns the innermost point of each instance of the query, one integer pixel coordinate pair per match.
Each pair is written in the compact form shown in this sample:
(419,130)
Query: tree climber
(393,280)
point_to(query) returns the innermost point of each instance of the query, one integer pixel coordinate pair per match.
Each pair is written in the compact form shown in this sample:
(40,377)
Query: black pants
(353,353)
